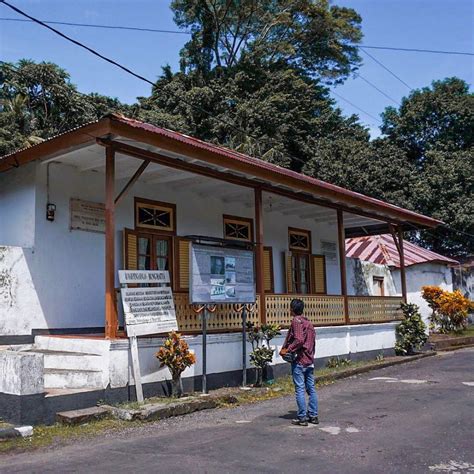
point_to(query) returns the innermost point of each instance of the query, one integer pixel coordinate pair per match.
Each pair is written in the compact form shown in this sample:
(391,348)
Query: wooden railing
(375,309)
(321,310)
(224,319)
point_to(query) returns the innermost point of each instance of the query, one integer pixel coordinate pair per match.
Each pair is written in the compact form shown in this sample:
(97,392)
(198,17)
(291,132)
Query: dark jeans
(303,378)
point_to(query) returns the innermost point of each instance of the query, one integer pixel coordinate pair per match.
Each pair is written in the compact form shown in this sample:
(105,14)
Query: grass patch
(47,435)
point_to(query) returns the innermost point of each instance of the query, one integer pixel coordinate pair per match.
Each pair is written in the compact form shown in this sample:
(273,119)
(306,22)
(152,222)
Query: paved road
(417,418)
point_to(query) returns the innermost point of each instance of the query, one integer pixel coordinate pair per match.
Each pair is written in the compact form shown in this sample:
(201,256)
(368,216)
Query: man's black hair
(297,306)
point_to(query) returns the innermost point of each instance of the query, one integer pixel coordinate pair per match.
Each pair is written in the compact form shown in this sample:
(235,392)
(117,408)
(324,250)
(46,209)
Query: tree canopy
(39,101)
(255,77)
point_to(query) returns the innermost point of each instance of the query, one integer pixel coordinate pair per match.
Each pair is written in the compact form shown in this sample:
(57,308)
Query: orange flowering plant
(450,308)
(175,354)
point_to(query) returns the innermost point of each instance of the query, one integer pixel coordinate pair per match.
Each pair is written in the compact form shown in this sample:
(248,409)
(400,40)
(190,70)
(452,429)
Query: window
(378,285)
(155,216)
(300,273)
(299,240)
(299,277)
(145,251)
(238,228)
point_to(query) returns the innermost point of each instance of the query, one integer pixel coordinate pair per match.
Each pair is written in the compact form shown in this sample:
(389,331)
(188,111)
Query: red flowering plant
(175,354)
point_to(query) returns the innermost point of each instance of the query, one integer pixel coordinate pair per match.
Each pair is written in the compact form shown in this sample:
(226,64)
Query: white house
(374,269)
(122,194)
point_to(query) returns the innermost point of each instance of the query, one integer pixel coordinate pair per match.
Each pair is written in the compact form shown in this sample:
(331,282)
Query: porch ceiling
(188,156)
(92,159)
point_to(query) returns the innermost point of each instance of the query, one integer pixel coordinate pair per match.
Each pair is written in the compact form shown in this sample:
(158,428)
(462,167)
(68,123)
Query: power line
(356,107)
(371,84)
(142,78)
(418,50)
(386,68)
(154,30)
(109,27)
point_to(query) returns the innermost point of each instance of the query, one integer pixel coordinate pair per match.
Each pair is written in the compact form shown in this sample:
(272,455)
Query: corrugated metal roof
(381,249)
(336,193)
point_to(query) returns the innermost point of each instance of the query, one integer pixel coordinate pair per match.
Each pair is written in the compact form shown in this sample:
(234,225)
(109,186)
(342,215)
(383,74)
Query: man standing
(301,341)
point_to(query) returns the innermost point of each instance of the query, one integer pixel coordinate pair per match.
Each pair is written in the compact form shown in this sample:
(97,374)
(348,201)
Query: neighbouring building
(374,268)
(122,194)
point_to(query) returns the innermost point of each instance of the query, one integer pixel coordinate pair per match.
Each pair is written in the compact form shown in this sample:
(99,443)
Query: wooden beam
(403,276)
(132,180)
(111,319)
(231,178)
(342,262)
(260,277)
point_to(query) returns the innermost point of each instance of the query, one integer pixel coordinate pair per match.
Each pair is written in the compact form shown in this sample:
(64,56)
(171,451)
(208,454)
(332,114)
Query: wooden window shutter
(318,267)
(130,244)
(288,272)
(182,247)
(268,285)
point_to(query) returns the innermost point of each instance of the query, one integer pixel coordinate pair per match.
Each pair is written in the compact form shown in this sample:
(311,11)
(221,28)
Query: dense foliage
(450,308)
(411,332)
(254,77)
(39,101)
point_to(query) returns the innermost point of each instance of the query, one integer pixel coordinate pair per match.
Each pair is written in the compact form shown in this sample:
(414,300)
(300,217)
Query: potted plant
(175,354)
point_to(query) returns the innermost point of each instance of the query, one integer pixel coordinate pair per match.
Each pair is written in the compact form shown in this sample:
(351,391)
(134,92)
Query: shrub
(450,308)
(411,331)
(175,355)
(262,352)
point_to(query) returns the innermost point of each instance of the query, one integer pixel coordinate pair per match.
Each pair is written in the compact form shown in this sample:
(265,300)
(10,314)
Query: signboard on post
(147,310)
(221,275)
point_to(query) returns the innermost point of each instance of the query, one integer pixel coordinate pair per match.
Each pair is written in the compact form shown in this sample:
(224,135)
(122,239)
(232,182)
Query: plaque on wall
(87,216)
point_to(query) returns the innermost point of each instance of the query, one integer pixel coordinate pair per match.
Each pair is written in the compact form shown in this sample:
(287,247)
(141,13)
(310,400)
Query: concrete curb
(367,368)
(160,411)
(451,342)
(455,348)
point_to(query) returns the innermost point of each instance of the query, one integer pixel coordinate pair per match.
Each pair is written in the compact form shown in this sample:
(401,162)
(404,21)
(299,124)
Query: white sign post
(147,310)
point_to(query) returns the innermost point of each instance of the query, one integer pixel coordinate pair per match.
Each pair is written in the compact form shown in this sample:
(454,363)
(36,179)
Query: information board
(221,275)
(87,216)
(150,309)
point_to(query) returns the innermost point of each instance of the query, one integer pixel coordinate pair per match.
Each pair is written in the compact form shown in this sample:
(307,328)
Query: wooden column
(401,252)
(341,237)
(260,281)
(111,319)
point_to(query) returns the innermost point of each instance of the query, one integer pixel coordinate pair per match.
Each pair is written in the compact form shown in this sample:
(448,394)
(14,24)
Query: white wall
(17,206)
(60,282)
(360,276)
(225,351)
(420,275)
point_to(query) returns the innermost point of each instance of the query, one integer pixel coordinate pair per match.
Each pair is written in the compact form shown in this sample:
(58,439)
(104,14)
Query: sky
(425,24)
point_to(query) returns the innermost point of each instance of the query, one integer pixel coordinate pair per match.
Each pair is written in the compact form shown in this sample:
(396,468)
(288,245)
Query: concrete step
(66,378)
(72,361)
(76,417)
(69,360)
(72,344)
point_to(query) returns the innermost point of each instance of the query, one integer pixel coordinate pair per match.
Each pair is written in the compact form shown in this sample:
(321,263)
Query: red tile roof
(381,249)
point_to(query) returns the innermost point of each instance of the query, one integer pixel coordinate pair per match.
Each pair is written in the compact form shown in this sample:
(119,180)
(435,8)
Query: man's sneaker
(299,422)
(314,420)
